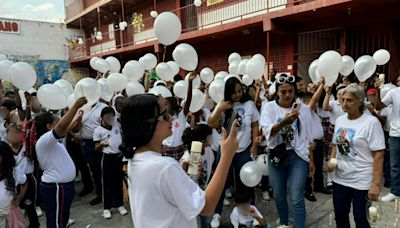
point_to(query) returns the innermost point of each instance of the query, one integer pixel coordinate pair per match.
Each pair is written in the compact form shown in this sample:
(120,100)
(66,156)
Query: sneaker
(282,226)
(70,222)
(389,197)
(226,202)
(310,196)
(122,210)
(39,211)
(228,193)
(107,214)
(265,196)
(216,221)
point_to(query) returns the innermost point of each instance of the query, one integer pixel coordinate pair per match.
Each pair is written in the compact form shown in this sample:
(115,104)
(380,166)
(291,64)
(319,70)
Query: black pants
(29,201)
(111,165)
(318,163)
(93,158)
(76,154)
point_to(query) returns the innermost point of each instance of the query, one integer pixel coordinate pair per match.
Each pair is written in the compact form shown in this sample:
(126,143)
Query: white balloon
(133,70)
(312,70)
(272,89)
(160,82)
(116,82)
(180,89)
(329,64)
(115,65)
(106,93)
(174,67)
(50,97)
(234,57)
(3,57)
(364,67)
(161,90)
(89,88)
(197,3)
(262,162)
(167,28)
(22,75)
(247,80)
(347,65)
(196,82)
(92,62)
(153,13)
(242,66)
(255,68)
(164,72)
(134,88)
(232,76)
(4,67)
(206,75)
(102,66)
(71,100)
(233,68)
(149,61)
(197,102)
(65,86)
(381,57)
(216,90)
(250,174)
(185,56)
(260,57)
(220,75)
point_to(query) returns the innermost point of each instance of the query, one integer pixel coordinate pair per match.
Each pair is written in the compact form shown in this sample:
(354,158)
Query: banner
(213,2)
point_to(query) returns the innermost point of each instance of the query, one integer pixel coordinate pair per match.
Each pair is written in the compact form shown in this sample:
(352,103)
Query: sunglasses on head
(284,78)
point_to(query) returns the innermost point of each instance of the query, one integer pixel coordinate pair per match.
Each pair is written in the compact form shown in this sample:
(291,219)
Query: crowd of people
(138,149)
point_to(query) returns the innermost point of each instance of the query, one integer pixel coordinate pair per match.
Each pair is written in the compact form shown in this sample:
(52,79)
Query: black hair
(7,166)
(242,197)
(9,104)
(198,133)
(107,110)
(9,93)
(41,122)
(230,86)
(138,122)
(176,108)
(277,85)
(177,78)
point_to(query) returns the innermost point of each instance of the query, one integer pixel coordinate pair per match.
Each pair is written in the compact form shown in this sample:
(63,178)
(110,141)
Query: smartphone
(296,107)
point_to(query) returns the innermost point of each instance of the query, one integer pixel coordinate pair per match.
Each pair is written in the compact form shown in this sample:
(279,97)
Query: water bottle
(195,158)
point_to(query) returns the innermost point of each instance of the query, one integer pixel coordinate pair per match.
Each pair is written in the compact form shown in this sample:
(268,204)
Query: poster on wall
(213,2)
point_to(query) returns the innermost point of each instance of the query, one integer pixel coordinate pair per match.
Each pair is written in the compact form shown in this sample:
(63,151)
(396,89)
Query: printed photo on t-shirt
(241,114)
(287,132)
(344,140)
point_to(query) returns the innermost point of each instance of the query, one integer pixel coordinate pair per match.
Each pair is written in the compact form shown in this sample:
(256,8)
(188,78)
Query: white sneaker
(282,226)
(122,210)
(107,214)
(39,211)
(228,193)
(266,196)
(216,221)
(226,202)
(70,222)
(389,197)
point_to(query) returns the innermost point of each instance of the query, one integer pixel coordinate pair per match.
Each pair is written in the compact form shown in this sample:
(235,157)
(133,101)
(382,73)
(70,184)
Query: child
(244,214)
(107,138)
(199,133)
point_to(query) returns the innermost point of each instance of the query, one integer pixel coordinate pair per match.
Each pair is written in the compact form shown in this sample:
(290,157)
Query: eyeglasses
(283,78)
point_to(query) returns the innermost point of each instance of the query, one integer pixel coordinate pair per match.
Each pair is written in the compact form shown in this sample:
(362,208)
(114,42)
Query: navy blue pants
(112,180)
(29,201)
(343,198)
(93,158)
(58,199)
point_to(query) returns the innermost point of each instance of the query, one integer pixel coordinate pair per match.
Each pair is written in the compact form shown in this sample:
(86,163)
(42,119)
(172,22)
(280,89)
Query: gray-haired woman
(359,145)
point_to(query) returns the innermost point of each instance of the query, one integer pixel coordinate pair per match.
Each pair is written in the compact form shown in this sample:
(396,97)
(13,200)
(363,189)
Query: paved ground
(318,213)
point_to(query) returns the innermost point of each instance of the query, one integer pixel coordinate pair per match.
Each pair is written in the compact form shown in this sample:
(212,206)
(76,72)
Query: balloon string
(165,51)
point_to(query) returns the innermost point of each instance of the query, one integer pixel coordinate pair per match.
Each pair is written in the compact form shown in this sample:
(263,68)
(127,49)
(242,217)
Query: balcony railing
(193,18)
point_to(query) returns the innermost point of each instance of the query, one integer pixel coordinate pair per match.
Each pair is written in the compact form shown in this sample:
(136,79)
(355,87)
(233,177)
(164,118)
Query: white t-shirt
(22,162)
(113,137)
(272,113)
(91,120)
(317,131)
(208,159)
(238,218)
(249,114)
(355,141)
(179,124)
(385,112)
(5,195)
(161,194)
(336,111)
(54,160)
(393,98)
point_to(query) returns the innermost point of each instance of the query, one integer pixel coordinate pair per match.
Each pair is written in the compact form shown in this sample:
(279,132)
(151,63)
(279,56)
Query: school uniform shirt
(393,98)
(336,111)
(355,141)
(385,112)
(243,218)
(179,124)
(113,137)
(54,159)
(272,113)
(5,195)
(91,120)
(249,114)
(161,194)
(22,162)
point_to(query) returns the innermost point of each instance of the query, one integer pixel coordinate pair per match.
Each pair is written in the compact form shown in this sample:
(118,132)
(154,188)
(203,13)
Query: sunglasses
(285,78)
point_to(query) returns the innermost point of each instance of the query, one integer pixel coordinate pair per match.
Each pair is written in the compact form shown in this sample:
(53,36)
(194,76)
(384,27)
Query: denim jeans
(290,178)
(394,147)
(343,197)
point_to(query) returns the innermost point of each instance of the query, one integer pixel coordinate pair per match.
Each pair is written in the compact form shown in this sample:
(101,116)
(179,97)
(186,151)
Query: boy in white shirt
(244,214)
